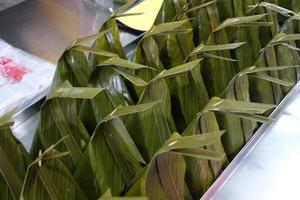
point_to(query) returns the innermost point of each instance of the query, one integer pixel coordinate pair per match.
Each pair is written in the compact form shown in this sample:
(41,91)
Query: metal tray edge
(230,169)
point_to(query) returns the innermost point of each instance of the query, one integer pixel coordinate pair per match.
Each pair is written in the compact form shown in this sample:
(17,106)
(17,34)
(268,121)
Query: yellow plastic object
(144,21)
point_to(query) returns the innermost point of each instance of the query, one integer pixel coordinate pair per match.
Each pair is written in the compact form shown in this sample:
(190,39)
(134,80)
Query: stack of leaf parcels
(163,123)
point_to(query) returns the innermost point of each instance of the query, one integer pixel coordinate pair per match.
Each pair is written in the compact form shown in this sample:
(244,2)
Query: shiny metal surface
(8,3)
(268,166)
(46,27)
(30,125)
(26,123)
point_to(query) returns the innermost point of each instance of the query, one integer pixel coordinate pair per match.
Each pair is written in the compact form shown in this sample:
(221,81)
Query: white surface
(269,166)
(33,85)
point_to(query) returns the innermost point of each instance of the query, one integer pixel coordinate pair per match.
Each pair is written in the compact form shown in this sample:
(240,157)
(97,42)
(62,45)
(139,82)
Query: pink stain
(12,71)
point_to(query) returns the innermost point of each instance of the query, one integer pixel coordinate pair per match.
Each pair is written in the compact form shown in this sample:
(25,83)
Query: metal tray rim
(233,165)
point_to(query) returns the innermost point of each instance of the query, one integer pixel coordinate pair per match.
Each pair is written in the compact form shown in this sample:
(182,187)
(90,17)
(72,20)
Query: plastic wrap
(107,4)
(24,78)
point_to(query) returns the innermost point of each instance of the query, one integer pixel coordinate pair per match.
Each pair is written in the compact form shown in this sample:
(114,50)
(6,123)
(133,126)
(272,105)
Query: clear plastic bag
(24,78)
(107,4)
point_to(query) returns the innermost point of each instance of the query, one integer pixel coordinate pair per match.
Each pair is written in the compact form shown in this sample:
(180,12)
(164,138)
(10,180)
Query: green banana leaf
(168,165)
(108,196)
(59,115)
(48,178)
(13,160)
(111,148)
(153,93)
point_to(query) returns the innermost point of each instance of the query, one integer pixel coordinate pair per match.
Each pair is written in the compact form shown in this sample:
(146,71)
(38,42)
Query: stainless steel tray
(266,168)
